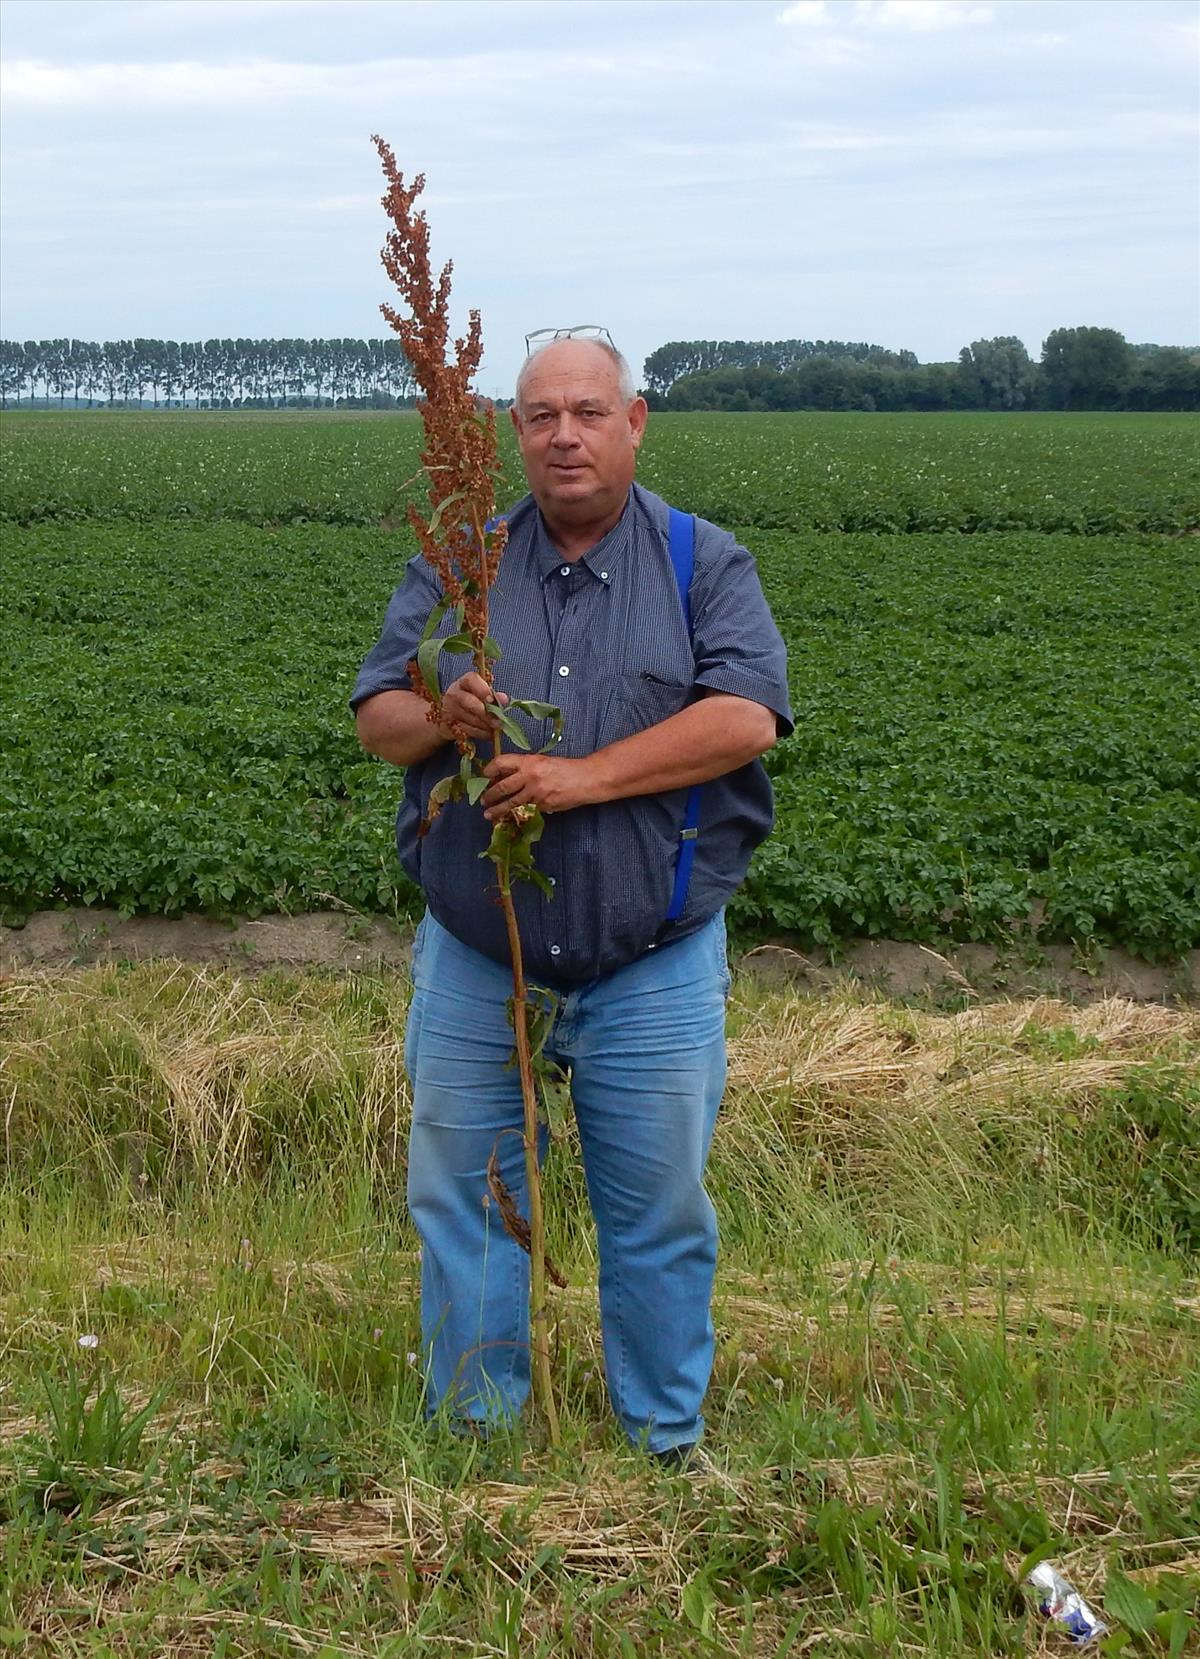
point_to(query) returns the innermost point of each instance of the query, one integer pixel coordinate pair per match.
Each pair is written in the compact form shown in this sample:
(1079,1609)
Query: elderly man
(672,683)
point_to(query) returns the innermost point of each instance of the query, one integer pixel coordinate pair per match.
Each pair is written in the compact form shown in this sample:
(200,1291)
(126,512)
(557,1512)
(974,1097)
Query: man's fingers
(474,685)
(461,709)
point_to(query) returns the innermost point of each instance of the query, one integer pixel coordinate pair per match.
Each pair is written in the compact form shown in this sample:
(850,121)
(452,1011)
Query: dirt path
(56,939)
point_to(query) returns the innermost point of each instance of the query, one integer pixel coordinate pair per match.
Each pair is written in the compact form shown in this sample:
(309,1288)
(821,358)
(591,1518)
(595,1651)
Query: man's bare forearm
(703,741)
(395,725)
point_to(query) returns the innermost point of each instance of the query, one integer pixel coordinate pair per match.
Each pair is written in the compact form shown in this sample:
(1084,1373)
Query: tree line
(1080,368)
(215,374)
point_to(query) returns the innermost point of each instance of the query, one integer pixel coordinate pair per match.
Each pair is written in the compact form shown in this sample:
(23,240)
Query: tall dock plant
(462,541)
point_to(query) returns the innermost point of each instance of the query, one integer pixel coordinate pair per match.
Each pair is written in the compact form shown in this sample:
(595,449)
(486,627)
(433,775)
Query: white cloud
(805,12)
(253,81)
(925,15)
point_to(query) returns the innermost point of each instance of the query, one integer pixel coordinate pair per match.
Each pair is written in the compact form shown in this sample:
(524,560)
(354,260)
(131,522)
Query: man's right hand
(464,705)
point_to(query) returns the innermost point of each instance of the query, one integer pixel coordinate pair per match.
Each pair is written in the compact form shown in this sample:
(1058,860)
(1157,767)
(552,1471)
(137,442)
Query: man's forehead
(570,368)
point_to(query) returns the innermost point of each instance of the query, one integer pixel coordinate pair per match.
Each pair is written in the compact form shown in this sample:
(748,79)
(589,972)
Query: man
(588,613)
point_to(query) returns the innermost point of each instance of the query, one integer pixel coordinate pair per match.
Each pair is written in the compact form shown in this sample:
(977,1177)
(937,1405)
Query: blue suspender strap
(683,546)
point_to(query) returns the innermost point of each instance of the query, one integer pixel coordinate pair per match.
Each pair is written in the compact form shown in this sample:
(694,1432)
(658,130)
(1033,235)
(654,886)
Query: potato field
(993,623)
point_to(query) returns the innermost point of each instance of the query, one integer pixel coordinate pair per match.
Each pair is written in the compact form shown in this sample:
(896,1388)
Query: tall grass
(956,1312)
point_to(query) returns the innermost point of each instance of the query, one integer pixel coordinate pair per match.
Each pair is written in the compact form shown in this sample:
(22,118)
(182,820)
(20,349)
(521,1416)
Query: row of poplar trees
(217,373)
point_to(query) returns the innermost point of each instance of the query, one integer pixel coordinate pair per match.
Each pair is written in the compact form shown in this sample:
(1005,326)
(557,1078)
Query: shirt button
(565,571)
(555,950)
(564,671)
(604,576)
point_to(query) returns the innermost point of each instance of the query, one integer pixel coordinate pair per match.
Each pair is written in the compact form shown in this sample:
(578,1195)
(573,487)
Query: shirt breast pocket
(637,701)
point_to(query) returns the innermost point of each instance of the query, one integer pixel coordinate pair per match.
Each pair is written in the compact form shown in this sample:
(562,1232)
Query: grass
(957,1321)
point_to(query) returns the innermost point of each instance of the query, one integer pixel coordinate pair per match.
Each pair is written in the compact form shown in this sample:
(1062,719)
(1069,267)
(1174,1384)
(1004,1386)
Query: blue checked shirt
(605,639)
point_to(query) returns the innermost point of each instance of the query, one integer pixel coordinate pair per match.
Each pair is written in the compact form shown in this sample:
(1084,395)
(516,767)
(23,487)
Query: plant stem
(543,1391)
(539,1319)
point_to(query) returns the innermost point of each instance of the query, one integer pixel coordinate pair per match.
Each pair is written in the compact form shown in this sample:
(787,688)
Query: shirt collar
(601,560)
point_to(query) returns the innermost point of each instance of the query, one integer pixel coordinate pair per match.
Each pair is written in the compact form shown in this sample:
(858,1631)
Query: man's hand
(551,782)
(464,704)
(703,741)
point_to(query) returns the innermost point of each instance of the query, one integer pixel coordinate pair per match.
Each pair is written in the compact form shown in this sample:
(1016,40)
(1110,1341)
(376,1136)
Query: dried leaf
(515,1224)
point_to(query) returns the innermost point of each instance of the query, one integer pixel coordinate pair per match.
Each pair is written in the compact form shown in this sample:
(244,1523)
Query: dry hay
(612,1527)
(840,1048)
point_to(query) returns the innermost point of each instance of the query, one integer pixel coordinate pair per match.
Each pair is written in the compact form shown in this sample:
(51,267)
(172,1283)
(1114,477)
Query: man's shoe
(690,1459)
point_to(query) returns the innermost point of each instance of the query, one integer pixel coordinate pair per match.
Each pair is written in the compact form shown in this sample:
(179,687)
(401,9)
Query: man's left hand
(551,782)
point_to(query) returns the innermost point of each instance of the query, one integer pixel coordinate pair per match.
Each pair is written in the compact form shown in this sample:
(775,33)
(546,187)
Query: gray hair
(624,373)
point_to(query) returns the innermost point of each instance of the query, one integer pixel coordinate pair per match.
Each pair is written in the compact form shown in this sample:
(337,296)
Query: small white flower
(412,1359)
(89,1341)
(376,1334)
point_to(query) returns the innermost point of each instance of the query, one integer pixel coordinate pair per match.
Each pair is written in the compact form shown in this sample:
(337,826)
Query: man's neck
(573,539)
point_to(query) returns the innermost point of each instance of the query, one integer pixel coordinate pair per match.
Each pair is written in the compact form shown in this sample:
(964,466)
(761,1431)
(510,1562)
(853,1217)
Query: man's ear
(516,419)
(639,410)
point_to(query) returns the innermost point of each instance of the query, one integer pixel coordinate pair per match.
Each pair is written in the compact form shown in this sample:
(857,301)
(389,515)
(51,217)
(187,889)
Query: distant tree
(12,370)
(33,364)
(1085,368)
(56,367)
(1003,370)
(680,358)
(1166,378)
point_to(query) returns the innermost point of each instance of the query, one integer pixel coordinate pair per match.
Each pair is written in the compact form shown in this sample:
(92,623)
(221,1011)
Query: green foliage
(1152,1173)
(985,728)
(933,1356)
(1093,474)
(91,1437)
(511,849)
(990,726)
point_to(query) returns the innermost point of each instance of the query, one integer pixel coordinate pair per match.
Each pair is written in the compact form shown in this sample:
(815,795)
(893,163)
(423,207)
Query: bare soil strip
(350,942)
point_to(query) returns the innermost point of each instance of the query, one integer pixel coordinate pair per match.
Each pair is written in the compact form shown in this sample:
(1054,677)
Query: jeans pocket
(722,954)
(418,945)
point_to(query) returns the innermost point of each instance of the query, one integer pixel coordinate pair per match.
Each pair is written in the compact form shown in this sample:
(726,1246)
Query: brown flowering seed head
(459,457)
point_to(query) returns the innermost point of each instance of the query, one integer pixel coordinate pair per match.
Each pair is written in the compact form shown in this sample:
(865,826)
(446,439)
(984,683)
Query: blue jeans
(645,1048)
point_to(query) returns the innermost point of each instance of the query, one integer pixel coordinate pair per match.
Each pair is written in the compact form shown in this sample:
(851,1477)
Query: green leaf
(436,615)
(477,787)
(449,788)
(491,650)
(442,508)
(429,652)
(511,729)
(1178,1630)
(541,711)
(511,850)
(1129,1603)
(1034,1559)
(698,1603)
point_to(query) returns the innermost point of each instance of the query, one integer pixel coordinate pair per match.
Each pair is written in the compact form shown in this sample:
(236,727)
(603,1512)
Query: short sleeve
(737,646)
(386,667)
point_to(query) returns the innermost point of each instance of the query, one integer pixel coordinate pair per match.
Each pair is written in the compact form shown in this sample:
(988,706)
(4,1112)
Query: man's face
(578,440)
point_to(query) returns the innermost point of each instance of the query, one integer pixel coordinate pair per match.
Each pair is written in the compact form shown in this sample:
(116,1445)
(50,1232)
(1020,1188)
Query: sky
(916,173)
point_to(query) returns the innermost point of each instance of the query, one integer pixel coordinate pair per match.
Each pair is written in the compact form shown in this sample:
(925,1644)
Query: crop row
(988,727)
(1082,474)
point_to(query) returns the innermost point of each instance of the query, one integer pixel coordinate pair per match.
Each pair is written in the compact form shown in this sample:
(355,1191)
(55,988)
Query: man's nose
(566,435)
